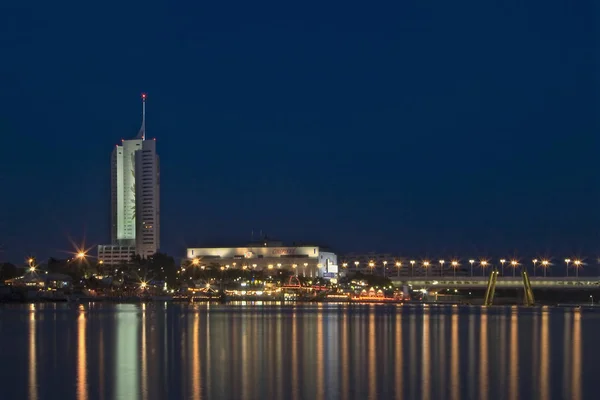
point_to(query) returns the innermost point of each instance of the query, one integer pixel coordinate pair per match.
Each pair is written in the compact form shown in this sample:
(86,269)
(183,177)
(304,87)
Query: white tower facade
(135,187)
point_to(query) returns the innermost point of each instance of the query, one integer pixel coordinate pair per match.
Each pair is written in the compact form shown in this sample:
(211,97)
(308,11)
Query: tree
(8,271)
(159,267)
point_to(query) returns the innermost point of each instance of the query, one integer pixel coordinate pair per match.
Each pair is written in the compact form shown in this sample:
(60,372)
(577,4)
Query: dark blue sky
(461,128)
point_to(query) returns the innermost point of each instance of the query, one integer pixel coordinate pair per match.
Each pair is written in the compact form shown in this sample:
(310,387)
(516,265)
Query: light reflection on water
(32,372)
(82,384)
(152,351)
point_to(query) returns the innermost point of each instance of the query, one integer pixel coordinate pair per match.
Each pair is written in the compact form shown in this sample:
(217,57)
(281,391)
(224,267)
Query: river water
(274,351)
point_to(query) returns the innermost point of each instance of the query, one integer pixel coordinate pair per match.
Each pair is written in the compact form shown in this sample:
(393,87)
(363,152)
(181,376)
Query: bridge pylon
(529,300)
(491,288)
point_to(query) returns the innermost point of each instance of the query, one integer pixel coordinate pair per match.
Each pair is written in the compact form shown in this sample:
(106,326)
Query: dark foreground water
(171,351)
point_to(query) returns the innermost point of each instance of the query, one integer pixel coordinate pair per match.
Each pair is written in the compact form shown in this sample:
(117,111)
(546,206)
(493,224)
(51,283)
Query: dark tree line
(8,271)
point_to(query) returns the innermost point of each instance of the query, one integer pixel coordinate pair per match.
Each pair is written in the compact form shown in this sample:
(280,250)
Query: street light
(345,265)
(384,267)
(398,265)
(567,261)
(454,266)
(514,264)
(442,267)
(426,265)
(31,262)
(81,255)
(535,260)
(502,262)
(412,267)
(577,263)
(545,264)
(471,262)
(483,266)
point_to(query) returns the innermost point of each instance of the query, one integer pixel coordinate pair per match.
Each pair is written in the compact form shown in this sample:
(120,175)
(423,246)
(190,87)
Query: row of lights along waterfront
(484,264)
(426,265)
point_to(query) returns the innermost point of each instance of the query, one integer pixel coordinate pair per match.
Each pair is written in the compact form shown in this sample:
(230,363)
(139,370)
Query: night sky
(418,127)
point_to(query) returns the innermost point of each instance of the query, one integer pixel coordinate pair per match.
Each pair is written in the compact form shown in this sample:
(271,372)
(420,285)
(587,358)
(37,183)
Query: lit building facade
(114,254)
(135,197)
(309,261)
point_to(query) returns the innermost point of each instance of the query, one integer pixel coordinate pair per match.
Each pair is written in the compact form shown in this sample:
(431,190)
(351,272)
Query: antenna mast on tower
(143,129)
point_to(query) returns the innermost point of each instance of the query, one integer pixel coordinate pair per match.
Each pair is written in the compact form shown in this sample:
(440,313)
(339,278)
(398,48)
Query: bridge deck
(480,282)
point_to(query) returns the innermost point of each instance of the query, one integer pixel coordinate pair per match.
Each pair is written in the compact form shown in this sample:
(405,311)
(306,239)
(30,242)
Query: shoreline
(258,303)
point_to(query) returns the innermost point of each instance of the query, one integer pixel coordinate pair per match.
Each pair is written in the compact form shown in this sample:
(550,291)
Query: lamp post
(384,267)
(304,270)
(442,267)
(31,262)
(545,264)
(471,262)
(426,266)
(221,282)
(535,260)
(356,265)
(371,265)
(398,265)
(454,266)
(577,264)
(514,264)
(483,266)
(567,261)
(195,263)
(412,267)
(502,262)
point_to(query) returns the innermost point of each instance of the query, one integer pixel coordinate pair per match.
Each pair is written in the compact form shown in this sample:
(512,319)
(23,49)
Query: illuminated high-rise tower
(135,199)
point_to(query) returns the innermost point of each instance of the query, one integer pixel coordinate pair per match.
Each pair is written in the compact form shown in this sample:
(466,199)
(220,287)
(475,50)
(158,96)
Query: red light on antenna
(143,96)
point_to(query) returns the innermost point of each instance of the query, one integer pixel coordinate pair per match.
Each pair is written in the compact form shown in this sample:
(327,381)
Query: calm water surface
(171,351)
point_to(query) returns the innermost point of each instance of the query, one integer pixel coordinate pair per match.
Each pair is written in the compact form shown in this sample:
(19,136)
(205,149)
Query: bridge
(502,282)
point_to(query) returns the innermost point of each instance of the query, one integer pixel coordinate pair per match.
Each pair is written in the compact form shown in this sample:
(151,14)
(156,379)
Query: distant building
(135,198)
(46,280)
(114,254)
(309,261)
